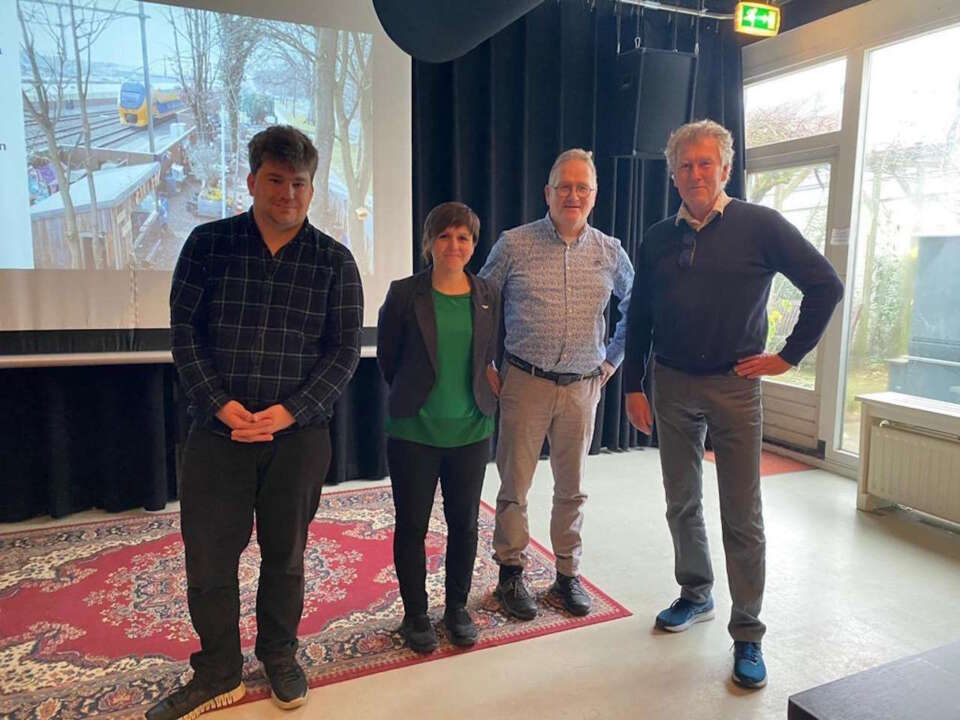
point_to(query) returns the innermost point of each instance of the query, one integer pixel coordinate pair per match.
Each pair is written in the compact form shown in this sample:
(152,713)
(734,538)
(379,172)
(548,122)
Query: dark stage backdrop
(110,437)
(486,130)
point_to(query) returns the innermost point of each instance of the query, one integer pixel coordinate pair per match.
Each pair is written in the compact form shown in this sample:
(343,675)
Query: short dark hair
(284,144)
(444,215)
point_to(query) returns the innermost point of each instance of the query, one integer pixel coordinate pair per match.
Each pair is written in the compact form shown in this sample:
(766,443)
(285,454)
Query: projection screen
(126,125)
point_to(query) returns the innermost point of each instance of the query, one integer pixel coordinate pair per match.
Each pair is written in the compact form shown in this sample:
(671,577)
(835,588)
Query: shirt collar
(257,237)
(556,234)
(718,207)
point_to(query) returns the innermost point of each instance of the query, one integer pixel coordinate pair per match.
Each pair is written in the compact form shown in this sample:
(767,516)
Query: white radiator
(915,468)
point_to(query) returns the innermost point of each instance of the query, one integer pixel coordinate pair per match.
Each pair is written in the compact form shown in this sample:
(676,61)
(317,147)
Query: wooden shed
(119,191)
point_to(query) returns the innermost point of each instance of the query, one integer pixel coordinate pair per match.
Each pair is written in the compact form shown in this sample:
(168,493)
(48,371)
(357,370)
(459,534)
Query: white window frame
(851,33)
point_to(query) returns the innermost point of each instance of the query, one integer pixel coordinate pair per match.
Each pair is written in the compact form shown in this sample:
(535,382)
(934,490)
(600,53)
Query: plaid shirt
(264,329)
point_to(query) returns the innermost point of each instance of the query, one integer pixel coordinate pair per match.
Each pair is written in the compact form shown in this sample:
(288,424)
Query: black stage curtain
(109,437)
(486,130)
(488,126)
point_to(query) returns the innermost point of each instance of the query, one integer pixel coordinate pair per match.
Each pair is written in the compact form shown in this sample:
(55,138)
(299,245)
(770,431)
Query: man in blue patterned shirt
(265,314)
(556,276)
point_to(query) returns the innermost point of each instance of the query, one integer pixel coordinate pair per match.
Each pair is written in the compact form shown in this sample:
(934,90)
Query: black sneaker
(569,590)
(288,684)
(514,597)
(418,633)
(194,699)
(460,627)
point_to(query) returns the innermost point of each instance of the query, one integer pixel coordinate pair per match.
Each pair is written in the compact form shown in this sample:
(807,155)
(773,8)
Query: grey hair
(568,155)
(691,132)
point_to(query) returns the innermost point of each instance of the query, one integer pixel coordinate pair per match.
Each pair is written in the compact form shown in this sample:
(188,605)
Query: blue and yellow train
(132,103)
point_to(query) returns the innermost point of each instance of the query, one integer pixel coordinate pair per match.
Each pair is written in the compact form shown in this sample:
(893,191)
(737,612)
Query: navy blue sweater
(704,318)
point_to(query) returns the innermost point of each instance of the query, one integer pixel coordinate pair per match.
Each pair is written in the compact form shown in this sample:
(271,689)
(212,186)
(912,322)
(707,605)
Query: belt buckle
(564,379)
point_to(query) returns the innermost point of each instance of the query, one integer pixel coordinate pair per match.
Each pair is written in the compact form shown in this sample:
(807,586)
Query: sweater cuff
(792,355)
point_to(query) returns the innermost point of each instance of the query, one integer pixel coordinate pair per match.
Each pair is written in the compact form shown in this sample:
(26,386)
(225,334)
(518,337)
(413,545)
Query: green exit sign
(757,19)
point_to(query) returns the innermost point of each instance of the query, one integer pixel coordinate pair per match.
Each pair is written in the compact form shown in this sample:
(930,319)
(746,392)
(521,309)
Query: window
(793,106)
(801,195)
(793,176)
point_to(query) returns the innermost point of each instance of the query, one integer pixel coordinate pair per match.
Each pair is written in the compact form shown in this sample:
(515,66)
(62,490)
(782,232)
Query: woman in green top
(436,335)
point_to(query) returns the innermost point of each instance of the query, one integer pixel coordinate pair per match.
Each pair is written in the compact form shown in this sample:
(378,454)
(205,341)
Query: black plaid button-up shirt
(264,329)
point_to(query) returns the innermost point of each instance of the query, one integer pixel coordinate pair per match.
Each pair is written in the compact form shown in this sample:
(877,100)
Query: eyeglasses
(688,246)
(564,189)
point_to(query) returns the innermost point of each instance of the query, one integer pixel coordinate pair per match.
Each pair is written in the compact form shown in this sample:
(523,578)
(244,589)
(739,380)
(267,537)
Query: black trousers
(414,470)
(224,485)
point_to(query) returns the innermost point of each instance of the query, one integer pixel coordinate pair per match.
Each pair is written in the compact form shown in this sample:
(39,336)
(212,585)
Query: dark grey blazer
(407,342)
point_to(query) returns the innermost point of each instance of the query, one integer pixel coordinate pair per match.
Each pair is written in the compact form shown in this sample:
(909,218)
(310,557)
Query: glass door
(903,322)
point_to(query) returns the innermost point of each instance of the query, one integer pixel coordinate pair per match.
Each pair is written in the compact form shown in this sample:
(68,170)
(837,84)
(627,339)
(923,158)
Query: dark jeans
(224,484)
(414,469)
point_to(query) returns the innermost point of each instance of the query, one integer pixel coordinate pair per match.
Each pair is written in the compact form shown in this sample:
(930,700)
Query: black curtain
(110,437)
(488,126)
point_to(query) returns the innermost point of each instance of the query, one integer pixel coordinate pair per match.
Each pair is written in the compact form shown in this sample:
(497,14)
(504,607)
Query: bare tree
(239,37)
(787,121)
(353,101)
(312,52)
(324,84)
(87,25)
(205,165)
(195,31)
(45,102)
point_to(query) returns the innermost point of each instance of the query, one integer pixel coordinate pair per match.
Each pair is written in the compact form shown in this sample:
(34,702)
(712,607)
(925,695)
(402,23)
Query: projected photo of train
(118,175)
(167,101)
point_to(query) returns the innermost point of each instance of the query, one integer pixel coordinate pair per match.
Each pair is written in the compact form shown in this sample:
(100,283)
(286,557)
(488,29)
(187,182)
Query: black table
(920,687)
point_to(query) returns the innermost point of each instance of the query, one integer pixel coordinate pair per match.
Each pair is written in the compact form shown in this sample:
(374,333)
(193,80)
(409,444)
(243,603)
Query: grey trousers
(532,408)
(685,406)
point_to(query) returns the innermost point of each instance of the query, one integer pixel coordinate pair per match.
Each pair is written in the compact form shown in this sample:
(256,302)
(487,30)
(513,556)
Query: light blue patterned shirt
(554,295)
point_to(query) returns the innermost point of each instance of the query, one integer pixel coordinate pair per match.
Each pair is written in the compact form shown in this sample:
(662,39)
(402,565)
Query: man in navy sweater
(698,309)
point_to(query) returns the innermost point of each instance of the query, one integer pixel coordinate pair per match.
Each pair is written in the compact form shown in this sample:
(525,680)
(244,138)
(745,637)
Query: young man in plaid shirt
(265,315)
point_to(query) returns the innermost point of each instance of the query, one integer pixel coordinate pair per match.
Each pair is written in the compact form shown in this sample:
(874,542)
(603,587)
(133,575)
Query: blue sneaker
(684,613)
(748,668)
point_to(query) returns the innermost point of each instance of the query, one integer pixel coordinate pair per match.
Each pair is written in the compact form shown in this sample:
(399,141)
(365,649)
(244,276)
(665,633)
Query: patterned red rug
(94,622)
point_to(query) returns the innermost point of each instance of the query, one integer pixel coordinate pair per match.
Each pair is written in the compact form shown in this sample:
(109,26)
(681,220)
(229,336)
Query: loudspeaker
(654,97)
(441,31)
